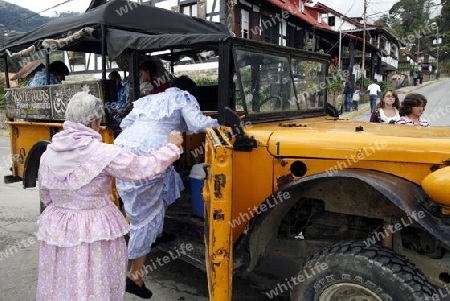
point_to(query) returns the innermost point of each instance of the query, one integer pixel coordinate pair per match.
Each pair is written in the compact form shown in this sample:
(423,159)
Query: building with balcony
(294,23)
(381,51)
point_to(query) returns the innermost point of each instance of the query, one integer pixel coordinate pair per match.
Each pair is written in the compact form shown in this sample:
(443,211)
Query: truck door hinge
(219,181)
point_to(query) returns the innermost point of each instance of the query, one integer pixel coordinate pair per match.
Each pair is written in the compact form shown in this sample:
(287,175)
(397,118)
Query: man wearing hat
(58,71)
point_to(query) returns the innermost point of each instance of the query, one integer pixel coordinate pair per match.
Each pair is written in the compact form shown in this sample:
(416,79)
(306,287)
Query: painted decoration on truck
(45,102)
(28,103)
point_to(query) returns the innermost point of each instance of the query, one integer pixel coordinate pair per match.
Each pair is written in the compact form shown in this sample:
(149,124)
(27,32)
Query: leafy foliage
(206,80)
(364,83)
(385,86)
(412,13)
(335,85)
(410,21)
(392,23)
(444,27)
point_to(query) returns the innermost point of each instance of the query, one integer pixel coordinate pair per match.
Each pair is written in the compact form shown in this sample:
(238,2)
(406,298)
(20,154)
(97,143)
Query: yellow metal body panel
(436,185)
(107,135)
(23,135)
(252,184)
(377,142)
(217,193)
(413,172)
(326,145)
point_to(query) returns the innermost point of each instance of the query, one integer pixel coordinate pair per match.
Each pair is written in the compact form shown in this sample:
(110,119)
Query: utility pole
(340,49)
(363,71)
(418,54)
(437,42)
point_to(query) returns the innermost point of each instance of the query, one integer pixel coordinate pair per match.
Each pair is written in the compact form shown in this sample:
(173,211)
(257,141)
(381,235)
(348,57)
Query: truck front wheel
(356,271)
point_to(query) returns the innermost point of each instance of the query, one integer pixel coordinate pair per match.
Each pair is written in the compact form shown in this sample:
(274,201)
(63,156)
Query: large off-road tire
(352,271)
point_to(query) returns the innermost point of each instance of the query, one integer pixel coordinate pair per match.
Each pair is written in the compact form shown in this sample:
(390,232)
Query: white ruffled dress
(146,129)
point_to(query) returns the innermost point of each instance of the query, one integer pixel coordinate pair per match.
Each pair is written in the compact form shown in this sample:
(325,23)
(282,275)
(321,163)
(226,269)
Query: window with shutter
(255,30)
(237,21)
(245,24)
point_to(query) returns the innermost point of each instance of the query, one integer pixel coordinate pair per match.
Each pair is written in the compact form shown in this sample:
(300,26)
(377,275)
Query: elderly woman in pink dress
(83,254)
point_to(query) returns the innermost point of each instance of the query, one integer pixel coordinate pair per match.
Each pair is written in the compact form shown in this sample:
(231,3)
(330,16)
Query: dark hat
(58,67)
(185,83)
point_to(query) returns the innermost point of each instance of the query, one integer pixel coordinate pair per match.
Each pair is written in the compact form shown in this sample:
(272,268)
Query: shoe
(164,238)
(140,291)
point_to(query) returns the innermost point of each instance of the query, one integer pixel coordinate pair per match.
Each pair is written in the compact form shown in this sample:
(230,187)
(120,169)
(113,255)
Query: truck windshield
(279,84)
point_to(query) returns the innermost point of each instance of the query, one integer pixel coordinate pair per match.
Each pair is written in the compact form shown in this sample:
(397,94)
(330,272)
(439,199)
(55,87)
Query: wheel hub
(348,292)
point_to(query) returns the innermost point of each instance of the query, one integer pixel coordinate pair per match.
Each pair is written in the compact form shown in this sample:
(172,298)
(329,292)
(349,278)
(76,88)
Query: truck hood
(327,138)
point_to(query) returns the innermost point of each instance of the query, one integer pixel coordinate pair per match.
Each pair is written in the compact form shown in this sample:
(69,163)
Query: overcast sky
(351,8)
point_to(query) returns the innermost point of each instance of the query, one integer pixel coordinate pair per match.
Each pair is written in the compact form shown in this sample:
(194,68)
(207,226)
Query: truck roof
(128,25)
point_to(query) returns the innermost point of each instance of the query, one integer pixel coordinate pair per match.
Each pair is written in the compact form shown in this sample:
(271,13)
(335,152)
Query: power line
(372,6)
(339,29)
(351,6)
(38,13)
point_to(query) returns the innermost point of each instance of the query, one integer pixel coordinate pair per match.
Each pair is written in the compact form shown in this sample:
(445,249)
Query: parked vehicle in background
(362,208)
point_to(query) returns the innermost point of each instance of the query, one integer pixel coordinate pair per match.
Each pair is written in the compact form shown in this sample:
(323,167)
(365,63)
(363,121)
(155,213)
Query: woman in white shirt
(387,110)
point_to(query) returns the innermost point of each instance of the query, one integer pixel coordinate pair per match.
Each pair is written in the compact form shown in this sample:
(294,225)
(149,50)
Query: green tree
(410,21)
(393,24)
(444,28)
(412,13)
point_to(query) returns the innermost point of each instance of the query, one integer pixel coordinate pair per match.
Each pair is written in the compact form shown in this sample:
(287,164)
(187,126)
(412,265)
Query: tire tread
(389,261)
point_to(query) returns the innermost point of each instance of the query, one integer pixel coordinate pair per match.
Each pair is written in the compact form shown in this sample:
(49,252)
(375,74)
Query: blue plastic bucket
(198,205)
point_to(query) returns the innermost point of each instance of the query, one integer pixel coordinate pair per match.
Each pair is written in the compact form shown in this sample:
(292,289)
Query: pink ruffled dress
(83,255)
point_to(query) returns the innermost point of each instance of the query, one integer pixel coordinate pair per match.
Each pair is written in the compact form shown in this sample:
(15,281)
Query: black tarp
(132,40)
(132,22)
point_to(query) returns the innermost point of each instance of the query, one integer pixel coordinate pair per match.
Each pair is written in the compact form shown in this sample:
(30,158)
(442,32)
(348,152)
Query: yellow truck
(362,209)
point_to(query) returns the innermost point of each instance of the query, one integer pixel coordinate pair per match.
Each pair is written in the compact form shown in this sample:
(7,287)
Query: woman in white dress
(145,130)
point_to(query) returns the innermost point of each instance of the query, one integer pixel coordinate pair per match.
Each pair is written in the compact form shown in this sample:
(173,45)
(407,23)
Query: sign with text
(45,102)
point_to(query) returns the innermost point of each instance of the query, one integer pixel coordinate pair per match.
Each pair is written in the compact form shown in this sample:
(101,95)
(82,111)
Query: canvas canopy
(129,25)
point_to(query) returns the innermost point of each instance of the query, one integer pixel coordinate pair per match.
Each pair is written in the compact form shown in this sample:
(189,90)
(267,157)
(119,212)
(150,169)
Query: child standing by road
(355,99)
